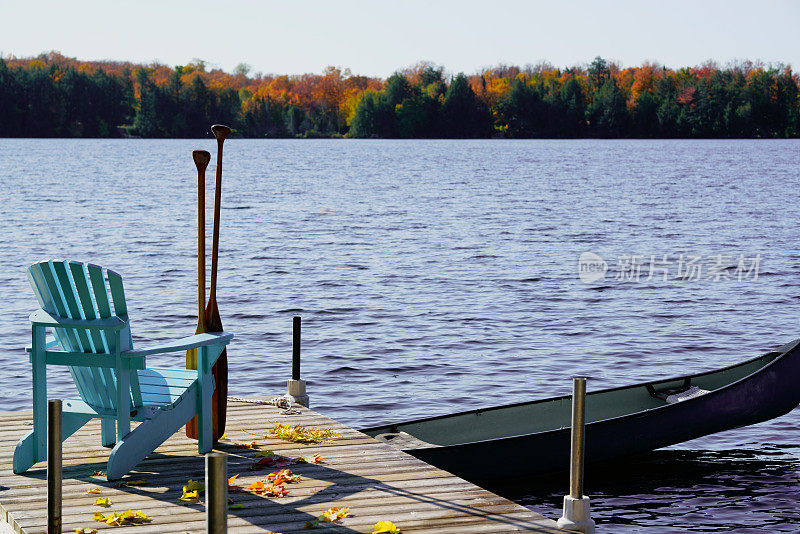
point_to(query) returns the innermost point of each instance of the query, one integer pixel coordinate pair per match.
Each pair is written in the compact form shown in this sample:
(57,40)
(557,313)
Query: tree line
(55,96)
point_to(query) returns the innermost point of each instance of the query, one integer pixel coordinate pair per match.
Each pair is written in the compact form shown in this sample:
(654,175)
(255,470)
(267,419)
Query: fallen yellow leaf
(256,486)
(316,459)
(194,485)
(299,434)
(268,490)
(127,517)
(86,530)
(105,502)
(385,527)
(192,490)
(284,475)
(93,491)
(332,515)
(190,496)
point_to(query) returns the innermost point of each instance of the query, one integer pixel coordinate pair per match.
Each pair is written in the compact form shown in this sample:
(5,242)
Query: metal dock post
(54,467)
(295,387)
(216,493)
(576,516)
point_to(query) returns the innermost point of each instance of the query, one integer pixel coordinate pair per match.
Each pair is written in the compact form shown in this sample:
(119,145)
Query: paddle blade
(213,320)
(219,400)
(219,370)
(220,131)
(201,159)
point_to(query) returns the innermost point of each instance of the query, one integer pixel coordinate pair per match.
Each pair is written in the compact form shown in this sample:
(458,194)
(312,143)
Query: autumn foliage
(55,96)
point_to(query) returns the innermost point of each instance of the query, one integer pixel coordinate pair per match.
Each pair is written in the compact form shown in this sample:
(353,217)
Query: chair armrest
(191,342)
(42,318)
(50,342)
(90,359)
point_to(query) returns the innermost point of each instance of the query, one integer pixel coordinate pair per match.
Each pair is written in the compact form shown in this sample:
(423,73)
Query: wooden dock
(375,481)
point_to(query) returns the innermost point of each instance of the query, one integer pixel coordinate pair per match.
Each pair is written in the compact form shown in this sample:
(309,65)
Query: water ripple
(436,276)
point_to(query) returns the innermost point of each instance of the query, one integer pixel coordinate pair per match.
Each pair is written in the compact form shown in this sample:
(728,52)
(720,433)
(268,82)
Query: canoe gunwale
(780,353)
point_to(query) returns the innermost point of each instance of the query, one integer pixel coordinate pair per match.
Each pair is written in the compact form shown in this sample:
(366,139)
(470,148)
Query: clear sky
(377,37)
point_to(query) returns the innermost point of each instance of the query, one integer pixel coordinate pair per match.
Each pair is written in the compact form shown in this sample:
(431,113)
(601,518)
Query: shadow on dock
(375,481)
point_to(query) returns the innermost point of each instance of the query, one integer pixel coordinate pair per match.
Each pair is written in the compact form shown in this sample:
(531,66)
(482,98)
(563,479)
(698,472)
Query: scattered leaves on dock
(300,434)
(192,490)
(331,515)
(275,460)
(266,489)
(86,530)
(105,502)
(251,445)
(283,476)
(93,491)
(138,482)
(118,519)
(385,527)
(273,484)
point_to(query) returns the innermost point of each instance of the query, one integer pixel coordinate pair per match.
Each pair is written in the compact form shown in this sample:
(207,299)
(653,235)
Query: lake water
(438,276)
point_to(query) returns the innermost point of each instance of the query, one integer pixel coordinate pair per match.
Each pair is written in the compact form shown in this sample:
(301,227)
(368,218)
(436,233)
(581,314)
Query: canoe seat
(690,393)
(681,393)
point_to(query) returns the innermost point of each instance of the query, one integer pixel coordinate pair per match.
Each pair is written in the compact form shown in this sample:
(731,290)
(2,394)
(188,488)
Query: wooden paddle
(201,159)
(213,320)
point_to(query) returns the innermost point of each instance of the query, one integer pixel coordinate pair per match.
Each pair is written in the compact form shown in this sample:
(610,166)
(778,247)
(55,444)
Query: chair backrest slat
(55,302)
(100,382)
(71,303)
(80,277)
(101,385)
(120,307)
(100,298)
(79,291)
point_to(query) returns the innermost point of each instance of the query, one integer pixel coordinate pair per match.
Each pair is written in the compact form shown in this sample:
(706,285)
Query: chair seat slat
(154,374)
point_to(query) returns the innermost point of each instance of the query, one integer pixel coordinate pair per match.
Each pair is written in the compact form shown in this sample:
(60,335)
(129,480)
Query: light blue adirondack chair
(94,342)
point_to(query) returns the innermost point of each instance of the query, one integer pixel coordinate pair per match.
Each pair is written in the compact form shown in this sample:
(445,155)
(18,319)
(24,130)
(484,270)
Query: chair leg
(205,392)
(39,375)
(146,437)
(32,447)
(26,452)
(108,432)
(123,403)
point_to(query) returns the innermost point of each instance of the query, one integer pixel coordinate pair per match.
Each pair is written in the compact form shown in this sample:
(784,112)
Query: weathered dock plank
(375,481)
